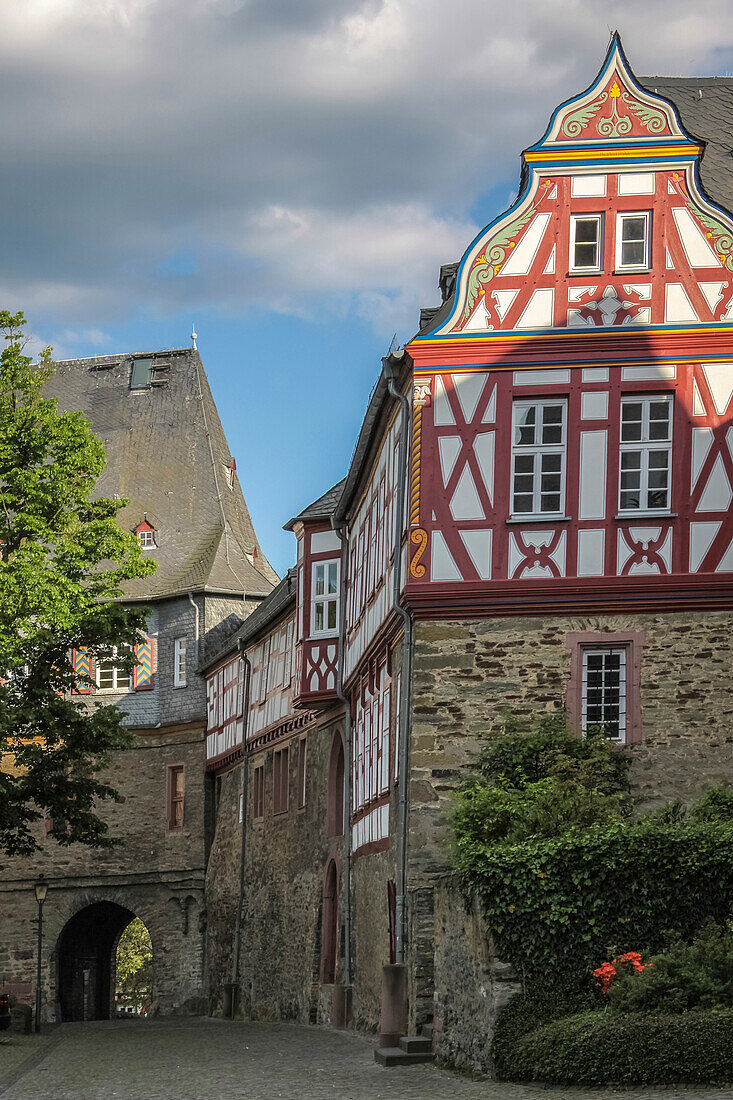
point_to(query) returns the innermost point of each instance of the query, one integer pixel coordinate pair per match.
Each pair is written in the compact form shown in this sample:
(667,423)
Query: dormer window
(229,474)
(146,536)
(632,242)
(585,242)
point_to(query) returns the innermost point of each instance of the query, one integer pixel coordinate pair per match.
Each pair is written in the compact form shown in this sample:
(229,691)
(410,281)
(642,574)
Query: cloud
(302,155)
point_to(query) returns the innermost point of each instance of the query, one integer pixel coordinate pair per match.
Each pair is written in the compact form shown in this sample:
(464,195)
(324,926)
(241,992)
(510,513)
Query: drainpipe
(194,605)
(247,672)
(389,364)
(340,530)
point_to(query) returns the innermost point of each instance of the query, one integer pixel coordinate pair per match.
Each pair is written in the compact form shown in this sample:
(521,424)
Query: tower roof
(167,453)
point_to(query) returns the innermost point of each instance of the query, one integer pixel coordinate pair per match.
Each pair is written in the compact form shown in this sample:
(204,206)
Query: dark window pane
(633,229)
(586,229)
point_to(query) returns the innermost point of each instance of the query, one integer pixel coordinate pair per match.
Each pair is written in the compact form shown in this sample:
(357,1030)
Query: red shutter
(143,678)
(81,661)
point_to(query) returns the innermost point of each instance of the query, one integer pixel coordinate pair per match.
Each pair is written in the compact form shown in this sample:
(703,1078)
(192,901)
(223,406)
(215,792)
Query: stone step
(416,1044)
(427,1031)
(395,1056)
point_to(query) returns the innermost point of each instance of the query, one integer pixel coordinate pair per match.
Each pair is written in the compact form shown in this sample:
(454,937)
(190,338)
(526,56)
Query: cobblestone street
(210,1059)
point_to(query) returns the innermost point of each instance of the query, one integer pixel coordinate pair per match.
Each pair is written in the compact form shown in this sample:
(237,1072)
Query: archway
(329,934)
(86,952)
(335,792)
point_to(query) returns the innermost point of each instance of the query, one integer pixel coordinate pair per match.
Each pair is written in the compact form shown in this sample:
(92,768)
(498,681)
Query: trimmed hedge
(557,907)
(597,1048)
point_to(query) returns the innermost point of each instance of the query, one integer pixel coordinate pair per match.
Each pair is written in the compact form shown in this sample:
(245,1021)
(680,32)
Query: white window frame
(623,713)
(114,687)
(325,598)
(620,219)
(597,267)
(539,449)
(644,446)
(179,662)
(146,538)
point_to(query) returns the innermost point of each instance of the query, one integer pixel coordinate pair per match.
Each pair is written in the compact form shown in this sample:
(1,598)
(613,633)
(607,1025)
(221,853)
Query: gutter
(247,672)
(194,605)
(340,531)
(390,365)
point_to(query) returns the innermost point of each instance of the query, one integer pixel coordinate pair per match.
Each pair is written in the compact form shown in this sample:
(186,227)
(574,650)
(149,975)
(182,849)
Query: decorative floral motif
(489,262)
(576,122)
(614,124)
(719,235)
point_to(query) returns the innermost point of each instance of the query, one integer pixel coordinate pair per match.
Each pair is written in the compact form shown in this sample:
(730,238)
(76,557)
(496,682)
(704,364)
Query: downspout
(389,364)
(340,529)
(247,672)
(194,605)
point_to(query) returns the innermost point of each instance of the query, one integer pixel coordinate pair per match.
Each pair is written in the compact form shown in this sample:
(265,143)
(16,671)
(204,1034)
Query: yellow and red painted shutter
(81,660)
(143,678)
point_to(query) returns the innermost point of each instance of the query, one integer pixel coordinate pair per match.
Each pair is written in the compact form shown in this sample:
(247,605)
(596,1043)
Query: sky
(288,175)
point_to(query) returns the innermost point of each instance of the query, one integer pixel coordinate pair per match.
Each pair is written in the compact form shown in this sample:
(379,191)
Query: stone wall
(369,877)
(467,675)
(286,857)
(156,874)
(471,985)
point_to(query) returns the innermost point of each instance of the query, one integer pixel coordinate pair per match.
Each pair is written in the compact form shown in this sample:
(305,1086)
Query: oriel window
(325,598)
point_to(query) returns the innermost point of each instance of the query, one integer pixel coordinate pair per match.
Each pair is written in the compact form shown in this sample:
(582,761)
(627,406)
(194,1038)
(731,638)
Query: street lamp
(40,889)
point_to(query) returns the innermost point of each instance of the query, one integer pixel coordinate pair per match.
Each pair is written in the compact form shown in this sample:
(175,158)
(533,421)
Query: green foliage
(540,784)
(598,1048)
(135,964)
(685,976)
(559,907)
(63,557)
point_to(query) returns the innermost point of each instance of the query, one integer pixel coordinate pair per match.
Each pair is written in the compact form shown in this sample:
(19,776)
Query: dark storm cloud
(280,152)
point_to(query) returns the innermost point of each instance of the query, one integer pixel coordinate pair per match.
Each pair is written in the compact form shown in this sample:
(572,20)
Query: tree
(135,964)
(63,558)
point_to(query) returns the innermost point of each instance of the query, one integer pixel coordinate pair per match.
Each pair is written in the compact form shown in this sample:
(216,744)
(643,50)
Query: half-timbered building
(537,517)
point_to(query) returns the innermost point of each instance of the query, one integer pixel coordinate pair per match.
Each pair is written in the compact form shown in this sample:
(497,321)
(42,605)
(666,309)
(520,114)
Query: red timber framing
(225,714)
(624,502)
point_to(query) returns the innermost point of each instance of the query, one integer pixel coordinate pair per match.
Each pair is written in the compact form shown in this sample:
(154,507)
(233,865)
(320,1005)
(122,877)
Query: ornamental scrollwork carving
(418,538)
(487,265)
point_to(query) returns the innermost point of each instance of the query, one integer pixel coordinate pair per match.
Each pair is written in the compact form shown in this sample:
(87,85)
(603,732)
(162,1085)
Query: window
(585,243)
(146,535)
(301,772)
(603,698)
(149,372)
(176,790)
(258,794)
(280,781)
(538,457)
(632,242)
(179,663)
(646,453)
(325,598)
(111,676)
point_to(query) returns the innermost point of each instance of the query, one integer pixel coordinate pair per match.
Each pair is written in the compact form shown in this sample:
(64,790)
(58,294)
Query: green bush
(559,907)
(685,976)
(600,1048)
(519,758)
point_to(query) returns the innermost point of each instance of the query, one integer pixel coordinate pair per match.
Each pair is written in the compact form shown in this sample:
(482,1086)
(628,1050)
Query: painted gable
(614,150)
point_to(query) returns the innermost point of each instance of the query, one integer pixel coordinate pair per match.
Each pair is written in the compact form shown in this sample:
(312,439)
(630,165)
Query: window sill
(645,515)
(176,686)
(621,271)
(321,636)
(548,518)
(585,273)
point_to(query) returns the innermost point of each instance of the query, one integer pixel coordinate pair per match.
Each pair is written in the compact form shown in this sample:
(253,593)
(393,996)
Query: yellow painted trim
(614,153)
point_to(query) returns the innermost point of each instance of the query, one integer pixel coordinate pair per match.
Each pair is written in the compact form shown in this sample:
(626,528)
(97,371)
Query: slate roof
(168,454)
(323,508)
(265,615)
(705,106)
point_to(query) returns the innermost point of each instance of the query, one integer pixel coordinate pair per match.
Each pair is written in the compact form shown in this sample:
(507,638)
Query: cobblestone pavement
(212,1059)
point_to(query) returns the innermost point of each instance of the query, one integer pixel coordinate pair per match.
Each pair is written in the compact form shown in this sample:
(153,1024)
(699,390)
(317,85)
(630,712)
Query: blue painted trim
(650,329)
(542,364)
